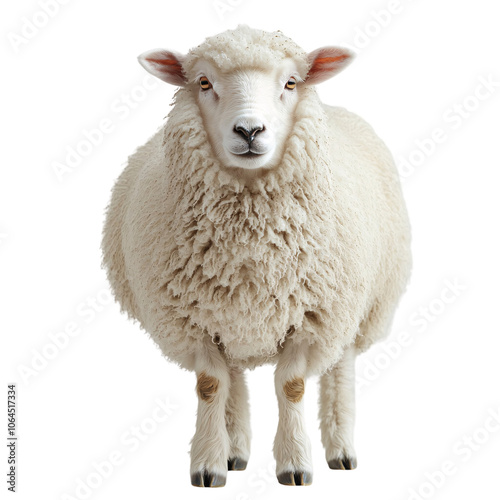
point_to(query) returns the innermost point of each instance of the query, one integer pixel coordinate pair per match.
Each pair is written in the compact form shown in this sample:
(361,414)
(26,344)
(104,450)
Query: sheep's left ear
(165,65)
(327,62)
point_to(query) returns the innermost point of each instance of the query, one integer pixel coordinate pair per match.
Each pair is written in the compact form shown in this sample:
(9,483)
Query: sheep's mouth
(250,154)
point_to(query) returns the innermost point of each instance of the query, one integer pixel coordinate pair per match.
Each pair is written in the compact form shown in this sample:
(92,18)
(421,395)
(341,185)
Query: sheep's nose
(248,135)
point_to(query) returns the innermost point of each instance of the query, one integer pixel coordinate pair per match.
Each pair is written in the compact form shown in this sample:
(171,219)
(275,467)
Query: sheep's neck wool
(249,263)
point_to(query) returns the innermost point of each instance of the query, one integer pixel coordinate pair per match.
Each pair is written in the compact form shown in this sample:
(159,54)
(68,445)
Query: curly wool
(245,47)
(317,249)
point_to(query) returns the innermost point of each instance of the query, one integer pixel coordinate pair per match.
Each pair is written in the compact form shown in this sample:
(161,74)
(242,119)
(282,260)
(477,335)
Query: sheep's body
(301,263)
(318,247)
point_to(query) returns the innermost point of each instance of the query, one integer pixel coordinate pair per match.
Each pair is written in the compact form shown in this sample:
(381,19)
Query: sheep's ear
(327,62)
(165,65)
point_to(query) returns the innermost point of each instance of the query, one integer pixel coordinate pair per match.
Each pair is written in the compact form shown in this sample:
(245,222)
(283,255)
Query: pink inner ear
(327,62)
(166,65)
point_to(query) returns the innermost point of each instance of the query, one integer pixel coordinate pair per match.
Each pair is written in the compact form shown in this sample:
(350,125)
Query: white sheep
(259,225)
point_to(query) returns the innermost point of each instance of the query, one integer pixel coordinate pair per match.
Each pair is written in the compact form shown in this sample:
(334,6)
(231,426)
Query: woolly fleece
(245,47)
(317,249)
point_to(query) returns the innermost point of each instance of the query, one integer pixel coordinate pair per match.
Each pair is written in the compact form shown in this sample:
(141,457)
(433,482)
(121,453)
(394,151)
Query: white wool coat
(315,250)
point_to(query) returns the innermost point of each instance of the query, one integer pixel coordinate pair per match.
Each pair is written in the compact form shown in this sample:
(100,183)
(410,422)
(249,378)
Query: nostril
(255,131)
(242,131)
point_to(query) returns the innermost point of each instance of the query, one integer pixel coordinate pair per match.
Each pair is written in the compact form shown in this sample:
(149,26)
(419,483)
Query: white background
(420,394)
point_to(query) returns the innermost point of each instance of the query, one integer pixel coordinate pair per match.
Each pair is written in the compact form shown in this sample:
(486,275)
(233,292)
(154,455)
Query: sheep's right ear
(165,65)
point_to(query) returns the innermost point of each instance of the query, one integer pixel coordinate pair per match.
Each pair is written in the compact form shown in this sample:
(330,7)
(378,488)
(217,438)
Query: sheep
(259,225)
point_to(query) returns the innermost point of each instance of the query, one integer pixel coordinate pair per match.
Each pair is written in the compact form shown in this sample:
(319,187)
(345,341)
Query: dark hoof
(295,478)
(343,463)
(236,464)
(207,480)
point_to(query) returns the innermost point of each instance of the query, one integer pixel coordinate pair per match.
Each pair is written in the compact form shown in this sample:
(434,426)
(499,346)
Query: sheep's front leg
(292,448)
(238,421)
(337,405)
(210,445)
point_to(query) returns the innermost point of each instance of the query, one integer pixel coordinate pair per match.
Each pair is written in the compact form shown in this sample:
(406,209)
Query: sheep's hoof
(298,478)
(207,479)
(343,463)
(236,464)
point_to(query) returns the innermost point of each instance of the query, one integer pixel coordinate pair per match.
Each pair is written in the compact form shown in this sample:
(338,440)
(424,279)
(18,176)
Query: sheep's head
(247,85)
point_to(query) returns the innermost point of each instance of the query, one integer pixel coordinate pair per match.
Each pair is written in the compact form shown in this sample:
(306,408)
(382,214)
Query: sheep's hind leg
(292,448)
(337,410)
(238,421)
(210,445)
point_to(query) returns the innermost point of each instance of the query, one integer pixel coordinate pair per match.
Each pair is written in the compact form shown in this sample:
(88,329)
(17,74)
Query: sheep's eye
(204,83)
(290,85)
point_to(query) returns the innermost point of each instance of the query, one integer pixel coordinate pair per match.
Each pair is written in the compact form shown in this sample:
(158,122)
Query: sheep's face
(248,114)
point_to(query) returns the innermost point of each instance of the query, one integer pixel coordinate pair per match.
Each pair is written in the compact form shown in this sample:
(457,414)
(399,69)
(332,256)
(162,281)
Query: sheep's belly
(252,322)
